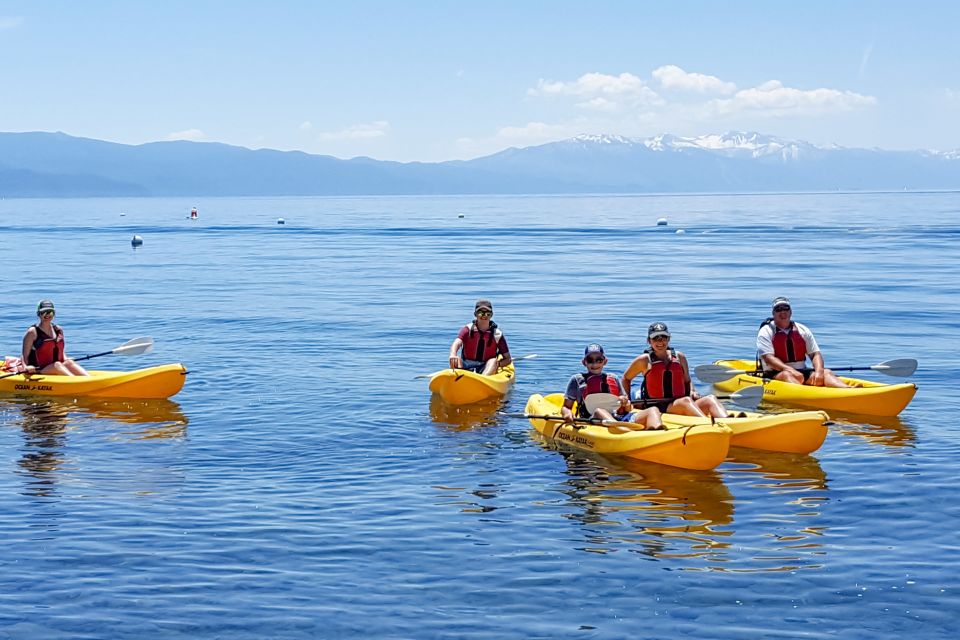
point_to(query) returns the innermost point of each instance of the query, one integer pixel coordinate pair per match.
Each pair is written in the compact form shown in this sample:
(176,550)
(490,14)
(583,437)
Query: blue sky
(440,80)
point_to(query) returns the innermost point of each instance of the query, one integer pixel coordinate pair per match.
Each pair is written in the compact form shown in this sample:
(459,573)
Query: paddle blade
(900,368)
(711,373)
(748,397)
(135,347)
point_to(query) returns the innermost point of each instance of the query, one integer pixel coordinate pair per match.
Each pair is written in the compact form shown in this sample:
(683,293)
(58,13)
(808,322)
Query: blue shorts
(474,365)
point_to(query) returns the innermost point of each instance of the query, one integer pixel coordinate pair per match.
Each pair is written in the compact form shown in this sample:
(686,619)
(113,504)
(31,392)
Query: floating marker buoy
(122,214)
(137,241)
(681,232)
(460,216)
(281,221)
(661,222)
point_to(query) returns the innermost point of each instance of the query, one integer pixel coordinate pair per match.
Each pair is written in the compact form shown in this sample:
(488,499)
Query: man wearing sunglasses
(44,349)
(601,395)
(783,347)
(480,346)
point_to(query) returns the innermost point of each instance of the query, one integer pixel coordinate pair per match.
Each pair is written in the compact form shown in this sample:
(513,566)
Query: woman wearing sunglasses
(44,349)
(480,346)
(666,379)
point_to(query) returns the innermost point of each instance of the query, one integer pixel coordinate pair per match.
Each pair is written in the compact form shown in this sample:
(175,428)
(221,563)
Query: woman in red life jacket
(44,349)
(783,347)
(480,346)
(607,389)
(666,378)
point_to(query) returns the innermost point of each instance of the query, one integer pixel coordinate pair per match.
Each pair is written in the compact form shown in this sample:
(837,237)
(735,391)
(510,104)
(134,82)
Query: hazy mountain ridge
(58,165)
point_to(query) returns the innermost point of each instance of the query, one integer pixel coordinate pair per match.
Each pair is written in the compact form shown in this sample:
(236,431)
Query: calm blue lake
(304,484)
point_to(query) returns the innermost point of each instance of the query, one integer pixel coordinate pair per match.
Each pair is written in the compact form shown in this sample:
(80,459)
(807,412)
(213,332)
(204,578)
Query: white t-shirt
(765,342)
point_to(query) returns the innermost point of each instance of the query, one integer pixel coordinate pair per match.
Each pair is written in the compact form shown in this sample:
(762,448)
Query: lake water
(304,484)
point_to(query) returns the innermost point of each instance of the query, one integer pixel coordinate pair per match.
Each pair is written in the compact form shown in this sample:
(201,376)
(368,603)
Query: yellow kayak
(794,432)
(153,382)
(701,447)
(460,386)
(870,398)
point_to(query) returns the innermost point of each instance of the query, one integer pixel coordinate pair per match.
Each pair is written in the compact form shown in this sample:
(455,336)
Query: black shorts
(769,375)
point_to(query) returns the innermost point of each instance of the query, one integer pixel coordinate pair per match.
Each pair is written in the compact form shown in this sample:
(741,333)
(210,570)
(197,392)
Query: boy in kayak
(480,346)
(44,349)
(601,395)
(666,379)
(783,347)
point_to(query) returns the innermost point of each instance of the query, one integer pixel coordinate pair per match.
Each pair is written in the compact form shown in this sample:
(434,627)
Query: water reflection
(46,423)
(783,533)
(889,432)
(653,509)
(44,428)
(465,417)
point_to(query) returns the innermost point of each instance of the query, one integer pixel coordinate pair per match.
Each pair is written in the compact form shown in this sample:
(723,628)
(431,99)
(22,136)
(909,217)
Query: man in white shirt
(784,346)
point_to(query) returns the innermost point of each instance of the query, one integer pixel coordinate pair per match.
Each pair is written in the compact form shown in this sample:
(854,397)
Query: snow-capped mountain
(55,164)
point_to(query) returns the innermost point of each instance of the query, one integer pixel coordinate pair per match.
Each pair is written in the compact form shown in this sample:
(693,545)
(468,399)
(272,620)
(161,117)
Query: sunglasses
(484,314)
(660,338)
(594,360)
(48,313)
(778,309)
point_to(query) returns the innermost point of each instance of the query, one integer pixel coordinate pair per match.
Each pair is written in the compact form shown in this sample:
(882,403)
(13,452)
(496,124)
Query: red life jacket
(789,345)
(664,378)
(596,383)
(481,345)
(46,350)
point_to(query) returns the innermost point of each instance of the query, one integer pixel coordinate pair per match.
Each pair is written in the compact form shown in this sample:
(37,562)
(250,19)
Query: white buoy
(681,232)
(661,222)
(281,221)
(137,241)
(122,214)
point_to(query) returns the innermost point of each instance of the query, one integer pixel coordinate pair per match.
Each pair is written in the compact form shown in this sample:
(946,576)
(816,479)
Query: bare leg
(56,369)
(74,368)
(831,380)
(711,407)
(685,407)
(490,367)
(789,376)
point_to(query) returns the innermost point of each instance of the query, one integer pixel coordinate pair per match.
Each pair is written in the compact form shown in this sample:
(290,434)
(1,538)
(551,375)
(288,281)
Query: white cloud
(188,134)
(10,22)
(306,125)
(953,96)
(673,78)
(600,91)
(772,98)
(532,132)
(361,131)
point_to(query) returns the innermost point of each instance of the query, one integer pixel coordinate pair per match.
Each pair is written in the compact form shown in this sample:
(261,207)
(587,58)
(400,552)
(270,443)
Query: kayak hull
(794,432)
(698,447)
(161,381)
(460,386)
(869,399)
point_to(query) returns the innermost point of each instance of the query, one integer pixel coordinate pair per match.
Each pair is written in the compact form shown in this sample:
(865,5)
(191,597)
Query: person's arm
(686,376)
(455,360)
(637,367)
(816,378)
(28,339)
(504,351)
(570,396)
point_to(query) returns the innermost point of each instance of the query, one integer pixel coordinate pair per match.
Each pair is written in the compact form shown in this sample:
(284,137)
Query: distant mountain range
(58,165)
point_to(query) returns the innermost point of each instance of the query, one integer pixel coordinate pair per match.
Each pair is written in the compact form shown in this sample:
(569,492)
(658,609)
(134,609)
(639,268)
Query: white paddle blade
(900,368)
(748,397)
(135,347)
(606,401)
(711,373)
